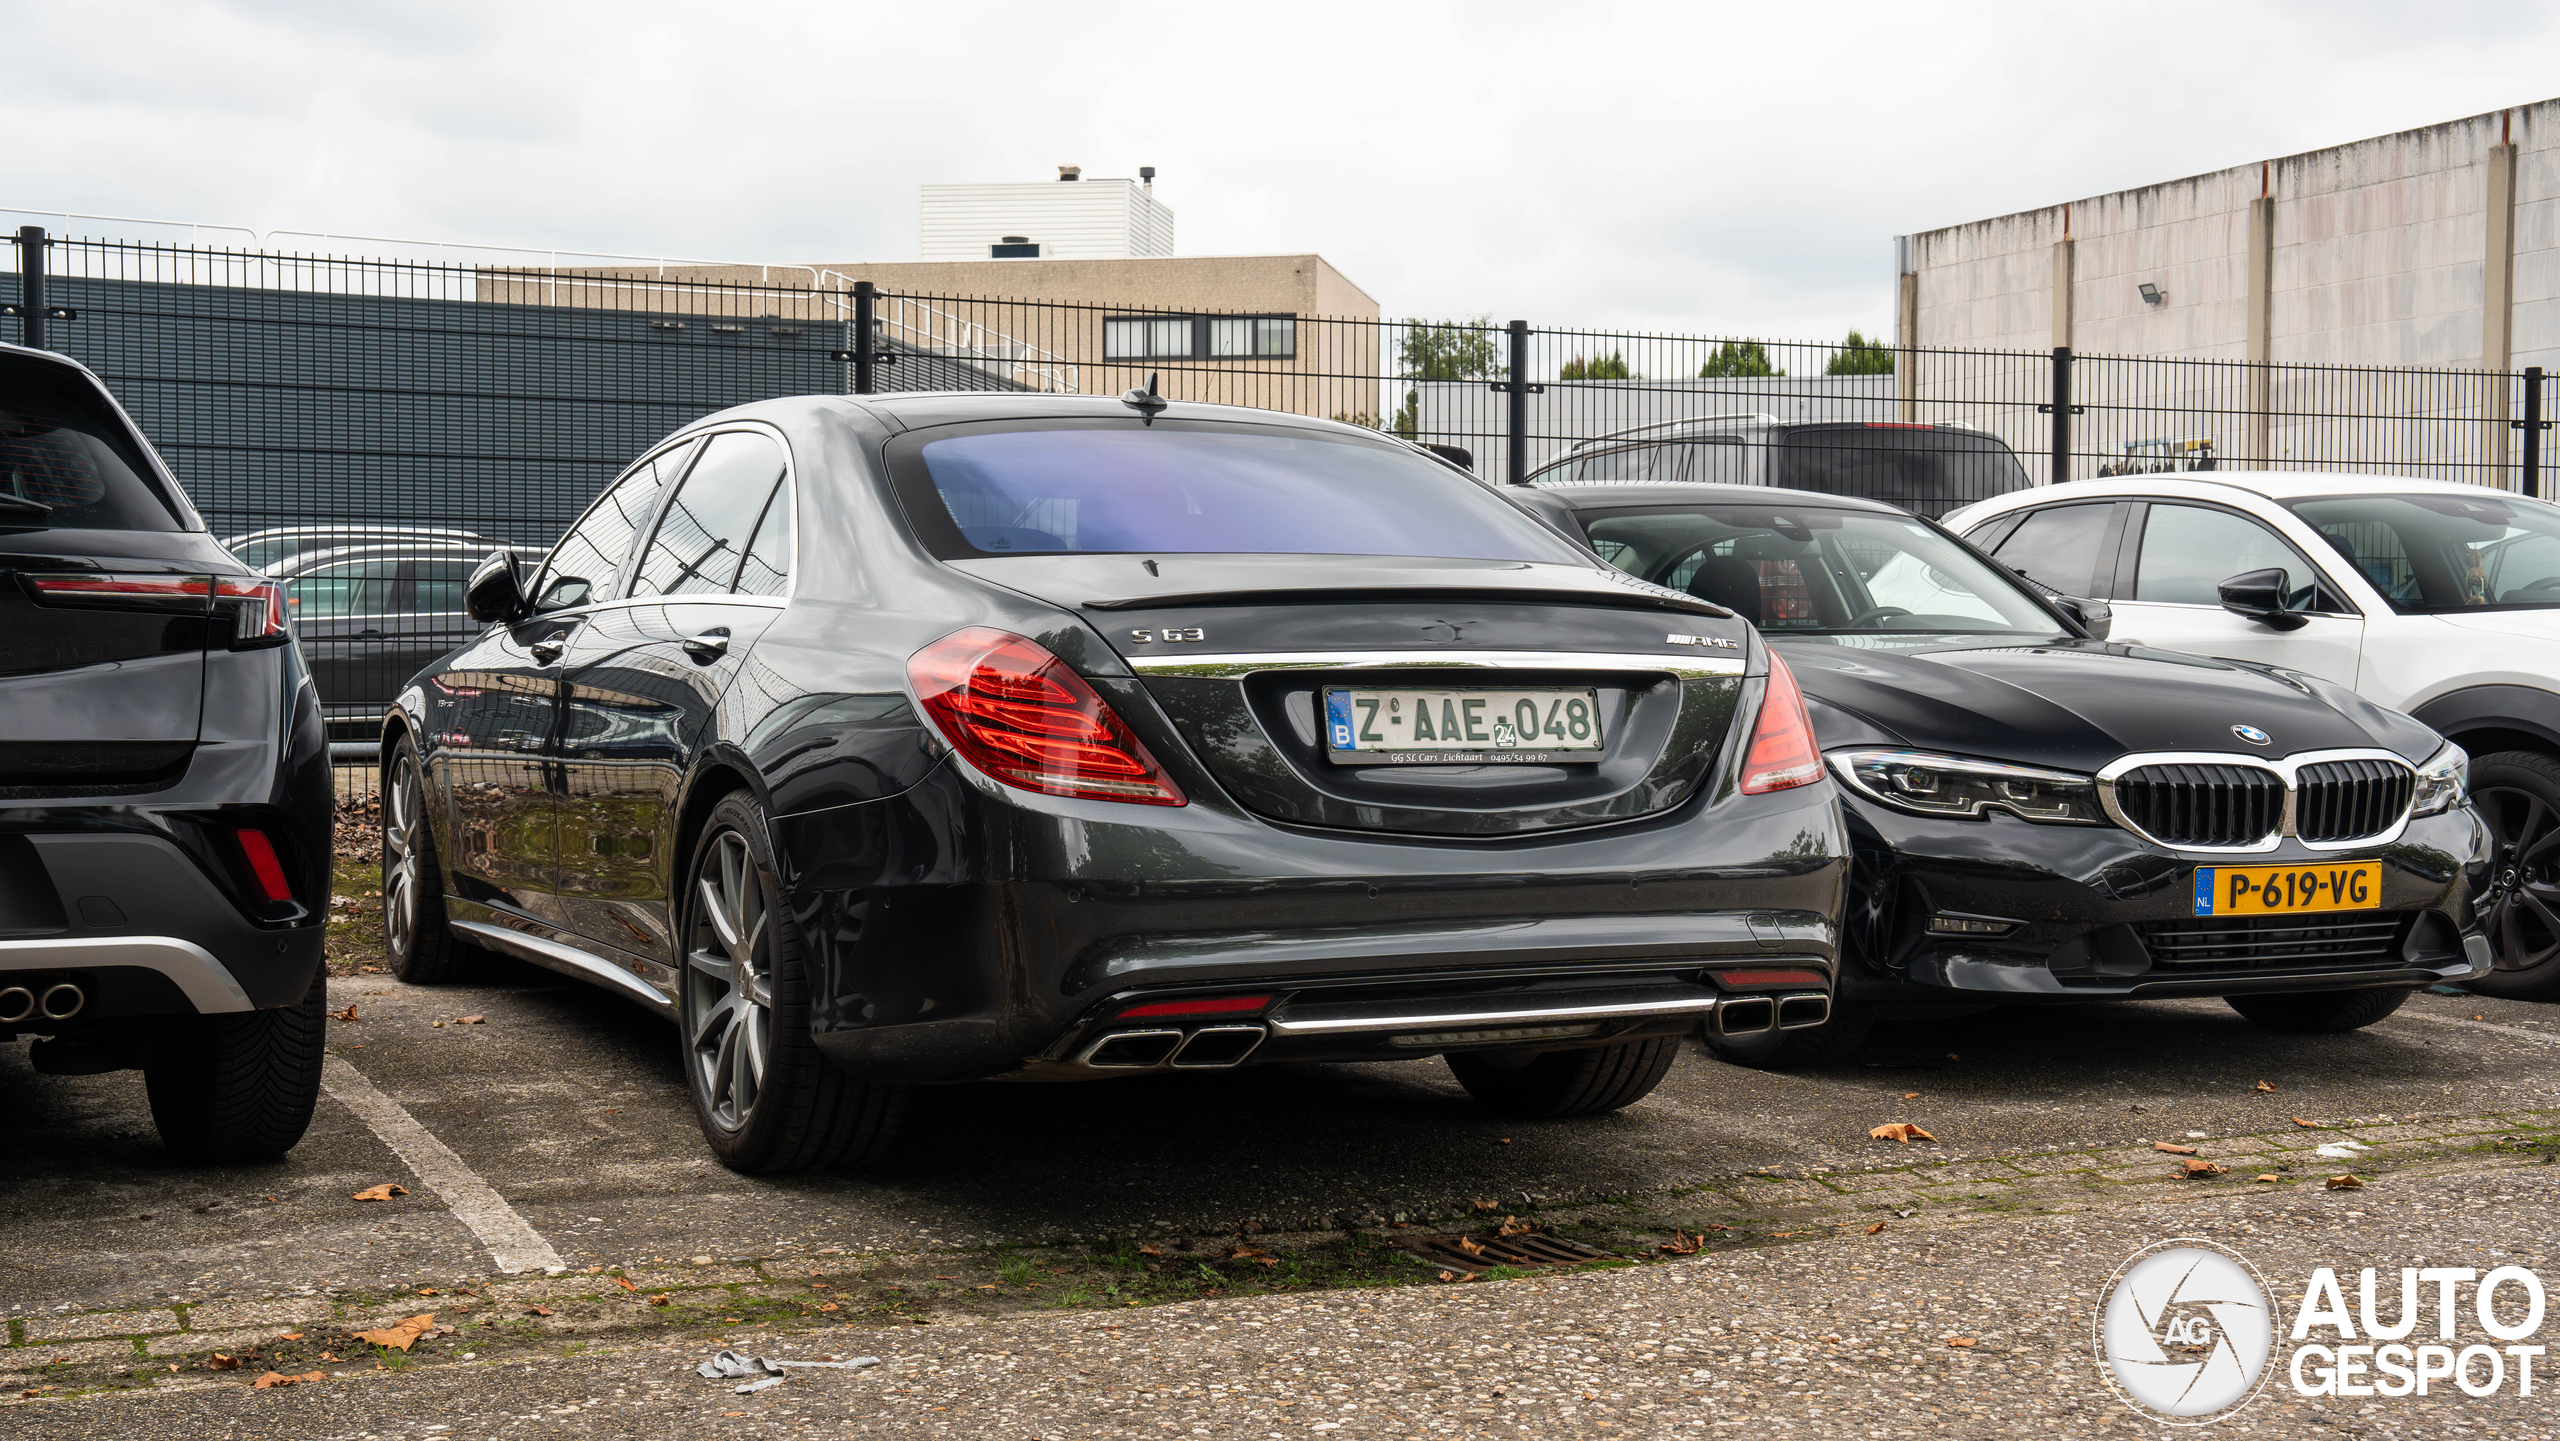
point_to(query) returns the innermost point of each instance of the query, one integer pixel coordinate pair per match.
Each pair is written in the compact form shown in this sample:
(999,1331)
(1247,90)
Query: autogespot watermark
(2188,1332)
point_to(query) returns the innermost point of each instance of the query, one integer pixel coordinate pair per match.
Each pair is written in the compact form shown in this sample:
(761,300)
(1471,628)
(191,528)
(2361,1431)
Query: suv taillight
(179,594)
(1021,716)
(1782,754)
(257,610)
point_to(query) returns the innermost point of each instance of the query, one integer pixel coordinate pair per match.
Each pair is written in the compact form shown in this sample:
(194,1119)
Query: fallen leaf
(1470,1245)
(2173,1150)
(349,1014)
(2271,1176)
(661,1300)
(1242,1252)
(400,1337)
(1150,1251)
(1683,1243)
(1445,1276)
(2345,1183)
(625,1283)
(2265,1086)
(470,1020)
(1514,1226)
(1911,1095)
(2198,1170)
(219,1362)
(2479,1018)
(1901,1131)
(537,1310)
(427,1291)
(383,1192)
(2306,1125)
(435,1025)
(1959,1340)
(277,1378)
(832,1306)
(1502,1140)
(1952,1056)
(1488,1205)
(290,1336)
(325,1356)
(1878,1226)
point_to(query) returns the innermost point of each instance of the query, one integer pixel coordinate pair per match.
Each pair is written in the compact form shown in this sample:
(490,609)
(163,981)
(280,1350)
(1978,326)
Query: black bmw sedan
(931,738)
(2038,815)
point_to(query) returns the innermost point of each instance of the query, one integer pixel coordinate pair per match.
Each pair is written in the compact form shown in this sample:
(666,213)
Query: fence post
(31,286)
(1516,465)
(2062,408)
(2533,431)
(865,306)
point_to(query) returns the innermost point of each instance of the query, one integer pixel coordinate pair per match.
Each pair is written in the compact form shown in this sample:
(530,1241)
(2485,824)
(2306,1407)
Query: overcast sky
(1730,169)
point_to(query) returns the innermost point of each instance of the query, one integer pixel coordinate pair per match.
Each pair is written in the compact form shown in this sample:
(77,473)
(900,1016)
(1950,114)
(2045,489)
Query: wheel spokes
(730,991)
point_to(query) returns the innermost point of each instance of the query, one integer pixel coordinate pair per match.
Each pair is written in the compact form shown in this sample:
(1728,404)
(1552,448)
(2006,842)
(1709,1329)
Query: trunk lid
(1240,652)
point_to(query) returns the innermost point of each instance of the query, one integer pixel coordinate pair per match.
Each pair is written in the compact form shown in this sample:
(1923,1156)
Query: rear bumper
(955,935)
(2096,913)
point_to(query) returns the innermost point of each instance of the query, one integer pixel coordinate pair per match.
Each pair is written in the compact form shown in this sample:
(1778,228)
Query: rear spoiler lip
(1640,600)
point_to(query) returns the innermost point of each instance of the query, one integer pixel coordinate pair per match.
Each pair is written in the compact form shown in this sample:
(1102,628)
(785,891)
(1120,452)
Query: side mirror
(2259,595)
(1457,455)
(2095,616)
(495,592)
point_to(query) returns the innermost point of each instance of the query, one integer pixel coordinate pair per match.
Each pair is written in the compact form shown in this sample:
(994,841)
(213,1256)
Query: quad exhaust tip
(1746,1016)
(62,1002)
(16,1004)
(1210,1048)
(1797,1012)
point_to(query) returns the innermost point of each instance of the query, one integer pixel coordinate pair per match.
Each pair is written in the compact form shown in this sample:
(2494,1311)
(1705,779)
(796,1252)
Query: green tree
(1860,356)
(1443,350)
(1612,366)
(1738,358)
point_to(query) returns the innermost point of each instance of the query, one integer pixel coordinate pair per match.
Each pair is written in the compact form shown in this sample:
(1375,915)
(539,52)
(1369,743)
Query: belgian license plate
(2288,890)
(1388,726)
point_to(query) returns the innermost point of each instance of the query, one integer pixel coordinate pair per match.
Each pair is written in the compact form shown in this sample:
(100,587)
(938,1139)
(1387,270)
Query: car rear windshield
(1921,468)
(1161,490)
(2436,553)
(60,445)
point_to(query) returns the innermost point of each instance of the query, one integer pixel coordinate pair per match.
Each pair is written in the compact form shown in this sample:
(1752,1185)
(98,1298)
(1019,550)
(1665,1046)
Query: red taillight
(1021,716)
(1214,1006)
(1782,753)
(1769,978)
(257,608)
(260,853)
(180,593)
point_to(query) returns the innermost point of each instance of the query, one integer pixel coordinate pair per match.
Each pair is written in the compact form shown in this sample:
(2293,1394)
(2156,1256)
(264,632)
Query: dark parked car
(938,737)
(2040,815)
(1928,469)
(164,784)
(370,617)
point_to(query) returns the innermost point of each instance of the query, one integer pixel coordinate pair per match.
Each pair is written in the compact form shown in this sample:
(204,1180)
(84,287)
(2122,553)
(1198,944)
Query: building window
(1193,337)
(1014,247)
(1264,337)
(1154,337)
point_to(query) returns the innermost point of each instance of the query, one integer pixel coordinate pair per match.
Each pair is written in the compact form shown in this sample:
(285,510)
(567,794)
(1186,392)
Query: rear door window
(2061,546)
(708,526)
(1919,467)
(62,446)
(768,567)
(343,591)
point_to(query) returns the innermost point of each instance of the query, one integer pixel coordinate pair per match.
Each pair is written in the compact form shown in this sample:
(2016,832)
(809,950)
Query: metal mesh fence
(384,422)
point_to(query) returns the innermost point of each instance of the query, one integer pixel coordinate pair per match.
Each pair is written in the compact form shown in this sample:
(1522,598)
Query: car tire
(422,950)
(1553,1084)
(241,1086)
(767,1100)
(2318,1013)
(2518,795)
(1835,1040)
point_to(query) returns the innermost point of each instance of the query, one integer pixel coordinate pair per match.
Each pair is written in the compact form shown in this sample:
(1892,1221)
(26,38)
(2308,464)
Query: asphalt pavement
(552,1134)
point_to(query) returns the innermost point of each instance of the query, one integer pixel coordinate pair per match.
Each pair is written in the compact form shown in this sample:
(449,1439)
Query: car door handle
(369,631)
(547,651)
(708,646)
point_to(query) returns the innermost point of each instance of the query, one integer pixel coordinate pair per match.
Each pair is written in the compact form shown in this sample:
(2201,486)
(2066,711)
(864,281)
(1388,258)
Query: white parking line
(2518,1032)
(512,1242)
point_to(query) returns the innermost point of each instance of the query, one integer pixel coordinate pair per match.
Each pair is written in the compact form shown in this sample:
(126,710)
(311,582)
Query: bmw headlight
(2442,782)
(1937,785)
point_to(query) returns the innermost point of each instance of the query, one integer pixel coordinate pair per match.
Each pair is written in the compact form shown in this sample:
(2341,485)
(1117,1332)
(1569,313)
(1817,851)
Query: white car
(2431,597)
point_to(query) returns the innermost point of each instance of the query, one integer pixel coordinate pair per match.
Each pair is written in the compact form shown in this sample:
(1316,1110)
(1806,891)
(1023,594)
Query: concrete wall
(1068,220)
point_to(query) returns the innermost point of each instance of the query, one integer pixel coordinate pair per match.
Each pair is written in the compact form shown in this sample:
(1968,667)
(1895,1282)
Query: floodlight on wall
(2152,294)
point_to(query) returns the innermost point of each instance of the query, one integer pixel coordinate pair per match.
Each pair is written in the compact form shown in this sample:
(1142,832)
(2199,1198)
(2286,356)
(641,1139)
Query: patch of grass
(1015,1271)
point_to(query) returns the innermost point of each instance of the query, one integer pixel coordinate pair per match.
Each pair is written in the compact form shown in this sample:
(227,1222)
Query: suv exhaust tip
(62,1002)
(1746,1016)
(1130,1050)
(1795,1013)
(1217,1048)
(16,1004)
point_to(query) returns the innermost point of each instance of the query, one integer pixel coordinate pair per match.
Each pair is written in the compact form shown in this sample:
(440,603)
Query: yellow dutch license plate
(2288,890)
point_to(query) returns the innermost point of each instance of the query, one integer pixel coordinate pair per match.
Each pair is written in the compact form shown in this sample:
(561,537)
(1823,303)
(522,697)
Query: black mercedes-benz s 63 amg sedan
(2039,815)
(164,784)
(905,739)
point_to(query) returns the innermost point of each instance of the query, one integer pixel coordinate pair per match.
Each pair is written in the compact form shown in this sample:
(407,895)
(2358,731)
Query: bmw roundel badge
(2252,735)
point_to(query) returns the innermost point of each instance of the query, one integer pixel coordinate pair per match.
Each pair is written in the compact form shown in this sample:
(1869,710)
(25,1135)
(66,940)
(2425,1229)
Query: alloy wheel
(2523,900)
(729,982)
(402,804)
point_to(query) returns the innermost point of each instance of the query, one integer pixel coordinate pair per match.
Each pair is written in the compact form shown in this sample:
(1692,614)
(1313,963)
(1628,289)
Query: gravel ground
(1846,1336)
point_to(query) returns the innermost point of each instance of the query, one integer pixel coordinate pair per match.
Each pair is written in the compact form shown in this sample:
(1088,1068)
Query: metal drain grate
(1531,1250)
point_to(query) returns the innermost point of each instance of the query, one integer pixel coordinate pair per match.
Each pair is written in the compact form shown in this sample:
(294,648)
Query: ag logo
(2185,1331)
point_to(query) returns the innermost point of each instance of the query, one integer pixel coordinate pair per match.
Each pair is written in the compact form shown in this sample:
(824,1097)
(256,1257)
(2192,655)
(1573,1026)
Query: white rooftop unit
(1069,218)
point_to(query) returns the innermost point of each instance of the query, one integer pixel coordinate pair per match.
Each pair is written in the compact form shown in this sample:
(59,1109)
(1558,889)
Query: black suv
(1925,469)
(164,784)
